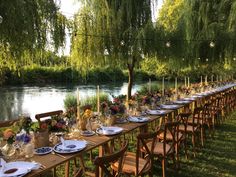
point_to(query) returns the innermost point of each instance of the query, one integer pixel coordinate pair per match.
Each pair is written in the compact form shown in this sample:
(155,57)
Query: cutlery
(58,155)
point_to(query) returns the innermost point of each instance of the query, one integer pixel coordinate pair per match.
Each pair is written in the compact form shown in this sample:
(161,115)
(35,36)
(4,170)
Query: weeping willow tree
(211,21)
(113,33)
(27,30)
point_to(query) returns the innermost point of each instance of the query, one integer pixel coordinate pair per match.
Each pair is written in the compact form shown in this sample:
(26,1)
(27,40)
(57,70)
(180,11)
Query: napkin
(2,164)
(63,142)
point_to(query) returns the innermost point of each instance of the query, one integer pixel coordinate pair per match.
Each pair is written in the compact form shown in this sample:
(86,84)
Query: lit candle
(206,80)
(78,104)
(98,99)
(163,86)
(188,82)
(149,85)
(201,80)
(212,78)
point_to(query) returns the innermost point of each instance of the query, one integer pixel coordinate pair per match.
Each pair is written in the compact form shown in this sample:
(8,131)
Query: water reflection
(33,100)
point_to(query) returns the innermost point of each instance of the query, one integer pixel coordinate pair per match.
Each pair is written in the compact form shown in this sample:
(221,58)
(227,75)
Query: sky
(70,7)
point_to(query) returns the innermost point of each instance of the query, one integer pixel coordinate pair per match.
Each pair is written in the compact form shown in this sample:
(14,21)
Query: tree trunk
(131,76)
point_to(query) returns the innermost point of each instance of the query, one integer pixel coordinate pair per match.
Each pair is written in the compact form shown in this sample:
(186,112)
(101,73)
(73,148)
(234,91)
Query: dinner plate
(189,99)
(121,121)
(87,133)
(109,130)
(170,106)
(18,168)
(70,146)
(43,150)
(156,112)
(138,119)
(182,101)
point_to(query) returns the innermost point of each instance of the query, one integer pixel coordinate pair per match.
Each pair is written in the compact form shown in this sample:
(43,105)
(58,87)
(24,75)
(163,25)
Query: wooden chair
(133,163)
(79,173)
(47,114)
(105,161)
(189,127)
(166,148)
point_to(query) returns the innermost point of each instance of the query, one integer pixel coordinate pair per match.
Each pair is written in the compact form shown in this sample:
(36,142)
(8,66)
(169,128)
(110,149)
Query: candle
(149,85)
(163,86)
(176,85)
(78,104)
(212,78)
(201,80)
(206,80)
(185,82)
(98,99)
(188,82)
(217,79)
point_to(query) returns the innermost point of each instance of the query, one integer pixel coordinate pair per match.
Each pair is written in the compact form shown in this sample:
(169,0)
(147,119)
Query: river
(31,100)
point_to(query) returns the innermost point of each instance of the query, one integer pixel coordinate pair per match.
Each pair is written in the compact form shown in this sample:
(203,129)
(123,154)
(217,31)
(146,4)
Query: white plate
(182,101)
(70,146)
(87,133)
(138,119)
(189,99)
(156,112)
(21,167)
(43,150)
(170,106)
(121,121)
(109,130)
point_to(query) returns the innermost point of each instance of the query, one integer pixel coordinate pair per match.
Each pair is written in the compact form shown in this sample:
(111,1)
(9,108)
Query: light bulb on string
(168,44)
(206,59)
(234,59)
(183,59)
(122,43)
(212,44)
(199,58)
(1,19)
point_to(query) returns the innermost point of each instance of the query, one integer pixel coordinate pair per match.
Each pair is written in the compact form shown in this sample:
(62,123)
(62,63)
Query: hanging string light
(234,59)
(168,44)
(212,44)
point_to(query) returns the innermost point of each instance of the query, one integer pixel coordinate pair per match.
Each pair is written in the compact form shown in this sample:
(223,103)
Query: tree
(113,32)
(29,27)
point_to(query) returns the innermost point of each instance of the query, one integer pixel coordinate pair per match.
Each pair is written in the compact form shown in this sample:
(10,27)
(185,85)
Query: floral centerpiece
(9,136)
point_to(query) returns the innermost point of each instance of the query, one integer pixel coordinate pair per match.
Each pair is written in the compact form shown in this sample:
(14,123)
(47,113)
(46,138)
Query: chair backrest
(102,162)
(79,173)
(47,114)
(8,123)
(142,140)
(197,115)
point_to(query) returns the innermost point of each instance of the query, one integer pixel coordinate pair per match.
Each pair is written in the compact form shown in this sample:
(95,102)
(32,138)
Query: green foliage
(25,30)
(70,102)
(92,100)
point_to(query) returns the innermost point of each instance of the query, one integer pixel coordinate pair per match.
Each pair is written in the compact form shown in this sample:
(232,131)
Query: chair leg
(202,136)
(194,144)
(163,167)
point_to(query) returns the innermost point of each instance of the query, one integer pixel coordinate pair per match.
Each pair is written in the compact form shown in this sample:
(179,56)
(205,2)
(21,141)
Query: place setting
(109,130)
(69,146)
(17,168)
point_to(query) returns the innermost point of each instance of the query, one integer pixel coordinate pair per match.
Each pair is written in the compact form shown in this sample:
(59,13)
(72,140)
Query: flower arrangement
(55,124)
(9,136)
(25,123)
(23,137)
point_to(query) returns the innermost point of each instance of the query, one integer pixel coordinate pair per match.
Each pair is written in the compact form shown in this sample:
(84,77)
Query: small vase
(82,124)
(41,139)
(8,150)
(29,150)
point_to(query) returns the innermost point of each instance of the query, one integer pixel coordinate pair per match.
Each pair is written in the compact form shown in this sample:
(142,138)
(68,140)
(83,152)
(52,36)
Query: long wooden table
(51,161)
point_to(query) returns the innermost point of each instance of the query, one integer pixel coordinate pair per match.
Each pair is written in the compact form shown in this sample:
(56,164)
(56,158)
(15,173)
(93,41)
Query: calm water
(31,100)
